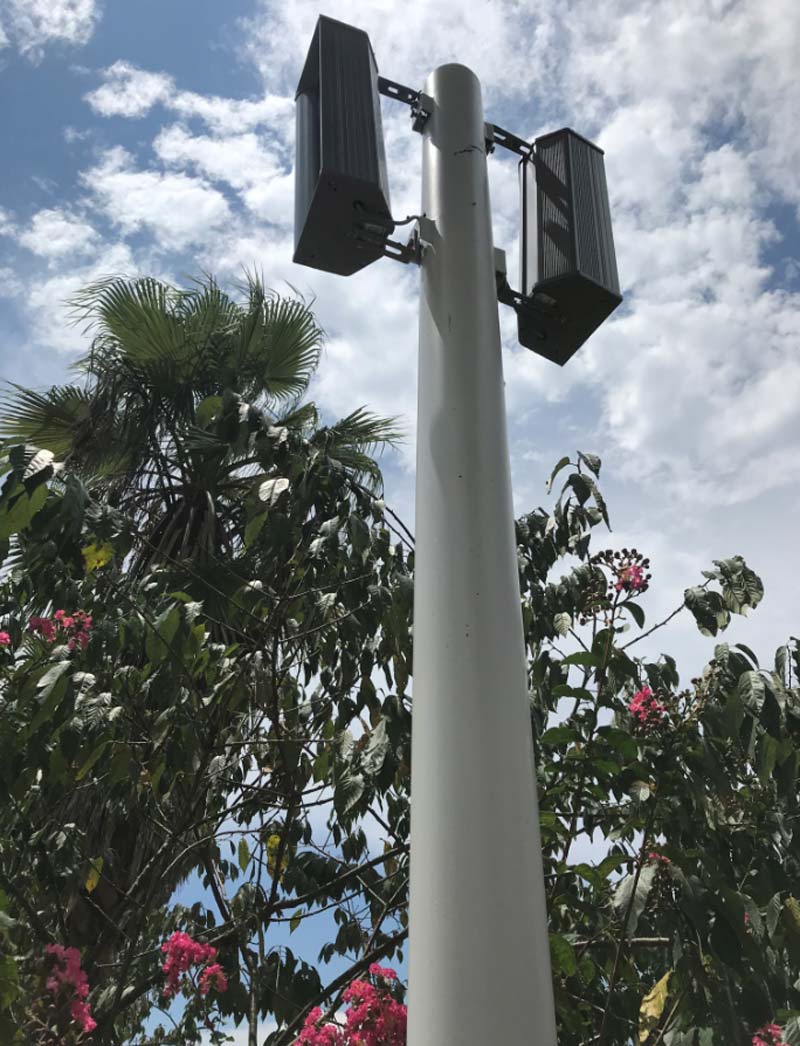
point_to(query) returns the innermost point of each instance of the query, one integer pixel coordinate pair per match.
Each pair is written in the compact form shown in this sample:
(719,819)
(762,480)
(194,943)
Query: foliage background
(242,708)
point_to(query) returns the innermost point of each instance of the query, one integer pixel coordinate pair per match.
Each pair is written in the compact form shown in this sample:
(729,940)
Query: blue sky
(157,136)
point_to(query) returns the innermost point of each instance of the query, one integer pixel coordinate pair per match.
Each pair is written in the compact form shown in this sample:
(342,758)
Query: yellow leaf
(96,556)
(793,915)
(273,847)
(653,1006)
(94,873)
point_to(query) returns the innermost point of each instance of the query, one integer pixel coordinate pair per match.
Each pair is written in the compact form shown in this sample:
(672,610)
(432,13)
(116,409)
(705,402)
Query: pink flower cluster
(66,974)
(645,708)
(631,578)
(374,1017)
(182,952)
(5,639)
(660,858)
(769,1035)
(74,627)
(213,977)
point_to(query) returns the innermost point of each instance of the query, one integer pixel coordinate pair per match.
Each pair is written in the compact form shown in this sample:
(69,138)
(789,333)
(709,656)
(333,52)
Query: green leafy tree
(225,693)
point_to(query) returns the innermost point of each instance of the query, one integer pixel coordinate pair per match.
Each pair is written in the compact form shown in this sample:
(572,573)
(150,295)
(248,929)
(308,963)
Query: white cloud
(243,161)
(46,299)
(34,24)
(176,209)
(7,227)
(55,233)
(10,283)
(130,91)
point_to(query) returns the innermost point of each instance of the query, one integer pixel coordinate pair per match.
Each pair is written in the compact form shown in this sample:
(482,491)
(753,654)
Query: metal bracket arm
(497,136)
(422,107)
(421,104)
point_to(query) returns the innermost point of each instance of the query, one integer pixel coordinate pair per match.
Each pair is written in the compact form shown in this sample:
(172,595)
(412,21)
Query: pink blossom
(66,974)
(213,977)
(5,639)
(769,1035)
(631,578)
(645,708)
(182,952)
(79,1012)
(374,1017)
(45,628)
(74,628)
(382,971)
(653,856)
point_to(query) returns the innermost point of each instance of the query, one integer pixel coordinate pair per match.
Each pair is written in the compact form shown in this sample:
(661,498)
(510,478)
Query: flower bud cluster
(628,568)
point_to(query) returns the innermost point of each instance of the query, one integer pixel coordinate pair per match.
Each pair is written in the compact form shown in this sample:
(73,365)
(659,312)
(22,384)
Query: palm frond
(353,440)
(278,345)
(303,418)
(366,431)
(139,314)
(51,420)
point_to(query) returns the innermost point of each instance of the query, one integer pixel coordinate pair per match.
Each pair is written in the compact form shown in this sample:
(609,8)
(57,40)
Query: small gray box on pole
(568,264)
(342,213)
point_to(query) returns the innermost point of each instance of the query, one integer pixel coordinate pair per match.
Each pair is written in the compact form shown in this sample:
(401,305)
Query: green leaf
(9,982)
(377,747)
(626,895)
(635,611)
(359,532)
(87,766)
(206,411)
(558,735)
(774,909)
(295,920)
(791,1031)
(791,917)
(160,636)
(767,756)
(349,789)
(748,651)
(254,527)
(752,690)
(591,461)
(733,714)
(243,855)
(53,686)
(562,956)
(17,517)
(561,464)
(582,657)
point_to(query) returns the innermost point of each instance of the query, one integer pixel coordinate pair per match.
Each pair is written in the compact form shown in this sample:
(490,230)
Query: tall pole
(479,961)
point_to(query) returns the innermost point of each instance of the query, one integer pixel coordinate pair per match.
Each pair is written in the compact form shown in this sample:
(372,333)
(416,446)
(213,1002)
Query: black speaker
(568,264)
(342,211)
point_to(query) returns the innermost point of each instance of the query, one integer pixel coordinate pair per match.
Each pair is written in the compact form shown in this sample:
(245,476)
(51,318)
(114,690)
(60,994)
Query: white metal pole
(479,961)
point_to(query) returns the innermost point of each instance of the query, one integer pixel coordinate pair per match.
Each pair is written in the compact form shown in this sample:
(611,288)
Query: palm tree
(191,404)
(181,389)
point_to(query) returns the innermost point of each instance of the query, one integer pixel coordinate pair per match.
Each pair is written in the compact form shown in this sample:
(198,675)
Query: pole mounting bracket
(375,230)
(421,104)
